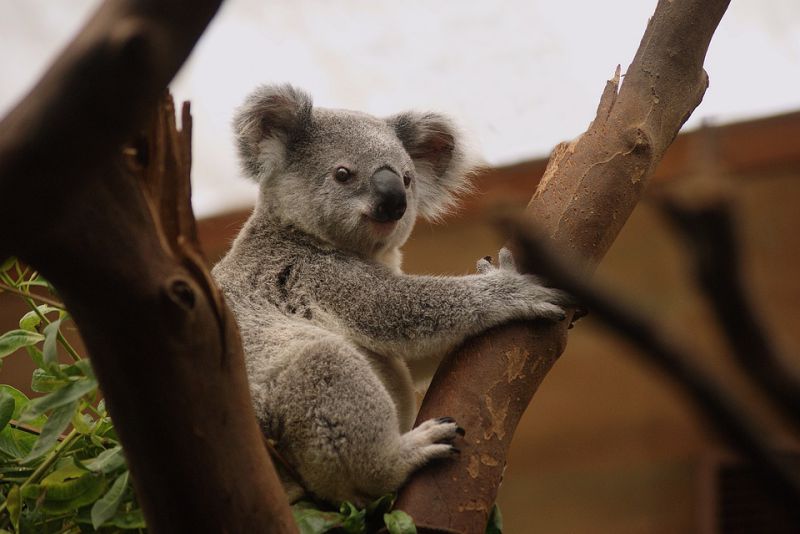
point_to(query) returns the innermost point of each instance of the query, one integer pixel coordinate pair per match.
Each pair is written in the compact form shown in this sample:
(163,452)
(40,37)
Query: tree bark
(116,236)
(585,196)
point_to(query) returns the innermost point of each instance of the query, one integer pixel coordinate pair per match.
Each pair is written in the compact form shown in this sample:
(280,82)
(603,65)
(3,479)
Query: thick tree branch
(587,193)
(116,236)
(103,86)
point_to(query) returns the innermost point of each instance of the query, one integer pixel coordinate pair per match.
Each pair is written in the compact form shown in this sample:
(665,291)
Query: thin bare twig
(34,296)
(720,411)
(707,228)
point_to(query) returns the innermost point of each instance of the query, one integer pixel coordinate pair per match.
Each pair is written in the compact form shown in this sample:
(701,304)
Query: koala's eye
(407,179)
(342,174)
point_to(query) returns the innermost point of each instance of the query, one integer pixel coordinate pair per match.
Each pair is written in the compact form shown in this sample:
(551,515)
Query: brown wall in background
(607,445)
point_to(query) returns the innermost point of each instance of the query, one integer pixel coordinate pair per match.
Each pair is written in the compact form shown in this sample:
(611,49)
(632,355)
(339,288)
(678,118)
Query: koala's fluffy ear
(271,118)
(440,156)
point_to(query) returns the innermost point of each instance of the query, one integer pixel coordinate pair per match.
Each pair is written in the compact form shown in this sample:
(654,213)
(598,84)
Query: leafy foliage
(495,524)
(61,465)
(318,518)
(62,468)
(314,518)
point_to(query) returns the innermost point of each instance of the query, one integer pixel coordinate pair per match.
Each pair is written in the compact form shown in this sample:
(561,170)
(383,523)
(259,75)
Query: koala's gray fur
(327,318)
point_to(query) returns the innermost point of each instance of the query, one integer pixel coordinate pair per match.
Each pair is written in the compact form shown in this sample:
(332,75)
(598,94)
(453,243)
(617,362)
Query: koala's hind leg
(340,428)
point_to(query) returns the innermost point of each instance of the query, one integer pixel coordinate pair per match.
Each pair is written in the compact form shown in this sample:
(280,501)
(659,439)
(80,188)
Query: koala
(328,320)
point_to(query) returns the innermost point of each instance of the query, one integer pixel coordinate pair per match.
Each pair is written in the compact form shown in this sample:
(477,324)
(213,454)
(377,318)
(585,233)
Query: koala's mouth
(380,228)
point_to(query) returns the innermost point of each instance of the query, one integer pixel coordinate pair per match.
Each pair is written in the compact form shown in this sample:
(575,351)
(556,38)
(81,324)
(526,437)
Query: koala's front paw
(434,438)
(540,301)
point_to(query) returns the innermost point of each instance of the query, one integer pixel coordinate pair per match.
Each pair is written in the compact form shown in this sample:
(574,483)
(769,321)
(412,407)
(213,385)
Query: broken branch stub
(593,187)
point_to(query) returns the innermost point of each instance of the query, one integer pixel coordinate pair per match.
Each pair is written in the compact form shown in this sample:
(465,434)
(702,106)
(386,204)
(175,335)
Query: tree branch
(118,241)
(706,225)
(587,193)
(103,86)
(721,412)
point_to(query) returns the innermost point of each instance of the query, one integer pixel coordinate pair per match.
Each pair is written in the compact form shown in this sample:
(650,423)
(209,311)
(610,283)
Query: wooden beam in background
(752,148)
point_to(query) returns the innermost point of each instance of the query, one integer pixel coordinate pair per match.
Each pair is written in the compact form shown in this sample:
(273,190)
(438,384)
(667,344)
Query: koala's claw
(506,260)
(563,299)
(484,265)
(551,312)
(444,420)
(440,430)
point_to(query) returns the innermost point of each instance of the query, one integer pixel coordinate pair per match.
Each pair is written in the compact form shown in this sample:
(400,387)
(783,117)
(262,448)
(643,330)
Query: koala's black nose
(390,196)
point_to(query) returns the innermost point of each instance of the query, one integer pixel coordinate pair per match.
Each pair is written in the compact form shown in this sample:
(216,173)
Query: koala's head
(350,179)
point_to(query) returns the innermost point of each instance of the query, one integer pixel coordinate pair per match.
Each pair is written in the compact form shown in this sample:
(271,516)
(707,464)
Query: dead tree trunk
(587,193)
(118,243)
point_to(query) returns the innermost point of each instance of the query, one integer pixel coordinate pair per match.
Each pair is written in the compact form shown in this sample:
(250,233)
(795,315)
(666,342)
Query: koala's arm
(416,316)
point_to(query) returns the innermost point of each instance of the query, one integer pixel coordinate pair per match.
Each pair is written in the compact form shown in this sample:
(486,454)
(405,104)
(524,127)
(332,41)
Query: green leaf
(66,395)
(128,520)
(7,406)
(32,319)
(14,506)
(105,507)
(103,432)
(313,521)
(69,488)
(49,349)
(7,264)
(399,522)
(31,491)
(67,482)
(80,368)
(382,505)
(35,355)
(44,382)
(353,519)
(495,524)
(107,461)
(52,429)
(348,509)
(21,401)
(16,339)
(82,422)
(16,443)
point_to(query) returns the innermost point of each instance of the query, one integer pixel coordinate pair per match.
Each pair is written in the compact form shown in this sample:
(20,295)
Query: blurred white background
(520,75)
